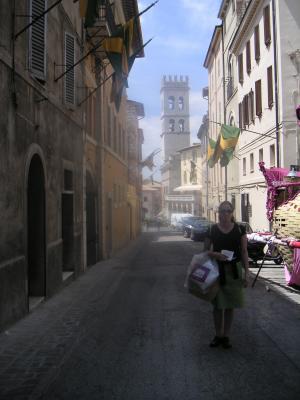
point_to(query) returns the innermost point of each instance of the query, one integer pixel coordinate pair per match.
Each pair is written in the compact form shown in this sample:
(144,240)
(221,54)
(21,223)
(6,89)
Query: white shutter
(37,45)
(69,62)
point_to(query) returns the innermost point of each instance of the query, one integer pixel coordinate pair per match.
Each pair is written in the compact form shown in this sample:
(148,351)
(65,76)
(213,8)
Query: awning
(188,188)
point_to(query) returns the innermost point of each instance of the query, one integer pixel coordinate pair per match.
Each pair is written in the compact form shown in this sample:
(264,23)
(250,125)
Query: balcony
(104,25)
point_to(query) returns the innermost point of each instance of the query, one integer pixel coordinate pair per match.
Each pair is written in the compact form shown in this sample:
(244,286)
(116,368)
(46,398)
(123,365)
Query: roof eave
(217,30)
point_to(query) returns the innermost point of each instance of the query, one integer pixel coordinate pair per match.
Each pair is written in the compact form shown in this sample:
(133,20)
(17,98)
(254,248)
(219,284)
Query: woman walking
(233,270)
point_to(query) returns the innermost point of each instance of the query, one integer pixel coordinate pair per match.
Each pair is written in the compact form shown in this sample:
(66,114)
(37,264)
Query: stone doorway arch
(36,228)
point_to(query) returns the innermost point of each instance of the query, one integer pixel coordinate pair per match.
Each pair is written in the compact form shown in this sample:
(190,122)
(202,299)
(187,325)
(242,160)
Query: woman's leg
(228,318)
(218,320)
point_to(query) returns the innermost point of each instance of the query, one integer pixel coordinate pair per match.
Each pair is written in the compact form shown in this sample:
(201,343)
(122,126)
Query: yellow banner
(228,143)
(83,7)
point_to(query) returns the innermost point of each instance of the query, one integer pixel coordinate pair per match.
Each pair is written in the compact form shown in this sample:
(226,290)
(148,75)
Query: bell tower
(175,114)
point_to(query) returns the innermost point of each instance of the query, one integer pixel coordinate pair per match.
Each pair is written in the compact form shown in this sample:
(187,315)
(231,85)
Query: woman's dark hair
(228,204)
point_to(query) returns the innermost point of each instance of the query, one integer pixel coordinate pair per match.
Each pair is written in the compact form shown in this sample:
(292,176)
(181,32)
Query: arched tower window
(171,102)
(171,125)
(181,125)
(180,103)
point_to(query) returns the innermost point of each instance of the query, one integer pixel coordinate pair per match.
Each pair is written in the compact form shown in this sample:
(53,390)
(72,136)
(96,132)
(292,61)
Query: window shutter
(251,106)
(37,44)
(267,25)
(248,57)
(257,43)
(258,104)
(270,87)
(245,111)
(241,116)
(241,68)
(70,76)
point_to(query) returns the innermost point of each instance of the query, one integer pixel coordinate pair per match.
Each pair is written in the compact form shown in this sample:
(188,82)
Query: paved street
(128,330)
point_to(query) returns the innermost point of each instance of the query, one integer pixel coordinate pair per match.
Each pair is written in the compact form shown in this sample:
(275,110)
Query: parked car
(176,220)
(188,223)
(199,230)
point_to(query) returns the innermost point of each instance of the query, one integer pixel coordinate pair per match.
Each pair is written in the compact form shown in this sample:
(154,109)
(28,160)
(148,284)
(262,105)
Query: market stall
(283,210)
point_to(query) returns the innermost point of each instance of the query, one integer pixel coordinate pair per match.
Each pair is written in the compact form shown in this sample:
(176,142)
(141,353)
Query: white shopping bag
(202,277)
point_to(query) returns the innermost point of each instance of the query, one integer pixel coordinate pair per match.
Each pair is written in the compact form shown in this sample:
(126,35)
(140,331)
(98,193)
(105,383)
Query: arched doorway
(36,240)
(91,221)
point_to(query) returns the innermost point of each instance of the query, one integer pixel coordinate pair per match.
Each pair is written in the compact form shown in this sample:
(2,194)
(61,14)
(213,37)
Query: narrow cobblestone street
(128,330)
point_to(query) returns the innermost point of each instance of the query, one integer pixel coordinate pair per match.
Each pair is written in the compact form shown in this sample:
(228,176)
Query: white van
(176,220)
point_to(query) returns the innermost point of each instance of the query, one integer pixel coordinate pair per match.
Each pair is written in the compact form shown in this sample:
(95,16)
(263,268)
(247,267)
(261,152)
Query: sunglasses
(225,211)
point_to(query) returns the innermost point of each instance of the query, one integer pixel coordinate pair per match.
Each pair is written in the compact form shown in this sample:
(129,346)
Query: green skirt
(231,295)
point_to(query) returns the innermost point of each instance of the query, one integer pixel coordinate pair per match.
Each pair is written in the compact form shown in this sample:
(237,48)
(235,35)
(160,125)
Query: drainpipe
(224,100)
(276,85)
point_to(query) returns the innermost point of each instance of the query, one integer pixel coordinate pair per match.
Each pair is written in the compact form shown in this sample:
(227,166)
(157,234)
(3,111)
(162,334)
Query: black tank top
(227,241)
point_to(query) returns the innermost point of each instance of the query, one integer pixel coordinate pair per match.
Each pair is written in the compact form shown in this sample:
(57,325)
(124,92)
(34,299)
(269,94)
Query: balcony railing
(105,24)
(175,197)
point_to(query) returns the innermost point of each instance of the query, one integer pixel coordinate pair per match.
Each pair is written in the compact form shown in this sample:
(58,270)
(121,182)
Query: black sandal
(215,342)
(226,343)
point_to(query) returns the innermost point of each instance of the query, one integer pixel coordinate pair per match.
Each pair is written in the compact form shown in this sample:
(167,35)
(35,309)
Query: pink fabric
(294,244)
(273,176)
(287,275)
(295,275)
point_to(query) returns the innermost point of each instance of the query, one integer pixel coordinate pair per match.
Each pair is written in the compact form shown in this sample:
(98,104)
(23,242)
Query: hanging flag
(149,162)
(123,47)
(210,152)
(119,82)
(132,41)
(116,53)
(229,137)
(225,145)
(117,87)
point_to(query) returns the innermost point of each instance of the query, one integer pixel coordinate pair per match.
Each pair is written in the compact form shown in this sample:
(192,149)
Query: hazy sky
(182,31)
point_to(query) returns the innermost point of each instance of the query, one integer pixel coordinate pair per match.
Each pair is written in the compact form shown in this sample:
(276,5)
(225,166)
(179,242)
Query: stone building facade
(61,158)
(260,42)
